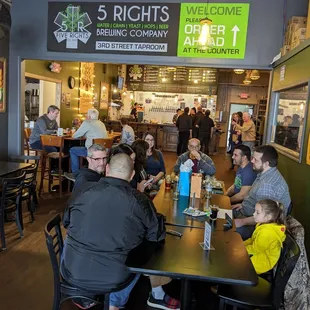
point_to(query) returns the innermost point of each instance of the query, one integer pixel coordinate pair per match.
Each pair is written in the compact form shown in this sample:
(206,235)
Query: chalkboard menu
(172,79)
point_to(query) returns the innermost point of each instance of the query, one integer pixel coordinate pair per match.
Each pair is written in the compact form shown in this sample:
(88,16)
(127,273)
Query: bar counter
(166,135)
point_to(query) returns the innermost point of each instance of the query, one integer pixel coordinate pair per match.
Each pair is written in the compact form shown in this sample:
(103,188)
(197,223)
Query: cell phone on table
(148,181)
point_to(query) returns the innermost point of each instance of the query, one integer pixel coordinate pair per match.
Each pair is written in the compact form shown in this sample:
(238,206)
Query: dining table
(7,168)
(183,258)
(173,209)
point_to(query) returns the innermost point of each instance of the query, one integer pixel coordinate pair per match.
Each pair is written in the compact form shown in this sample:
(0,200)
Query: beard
(258,169)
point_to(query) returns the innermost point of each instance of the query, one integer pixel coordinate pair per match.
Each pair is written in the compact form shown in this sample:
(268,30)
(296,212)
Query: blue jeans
(75,153)
(120,298)
(37,145)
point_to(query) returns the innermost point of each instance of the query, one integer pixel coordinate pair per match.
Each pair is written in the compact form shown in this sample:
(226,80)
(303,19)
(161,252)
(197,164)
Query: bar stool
(49,140)
(27,133)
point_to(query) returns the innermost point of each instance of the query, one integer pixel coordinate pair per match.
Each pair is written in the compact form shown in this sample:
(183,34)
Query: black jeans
(183,142)
(204,141)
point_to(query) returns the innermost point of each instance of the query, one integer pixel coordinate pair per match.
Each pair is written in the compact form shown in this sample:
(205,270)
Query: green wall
(40,67)
(297,174)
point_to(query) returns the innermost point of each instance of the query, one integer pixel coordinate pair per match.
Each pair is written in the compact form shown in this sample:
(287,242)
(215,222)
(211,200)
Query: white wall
(49,94)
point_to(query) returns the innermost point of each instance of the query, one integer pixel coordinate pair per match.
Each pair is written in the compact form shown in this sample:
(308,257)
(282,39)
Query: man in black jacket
(97,161)
(205,125)
(184,124)
(108,219)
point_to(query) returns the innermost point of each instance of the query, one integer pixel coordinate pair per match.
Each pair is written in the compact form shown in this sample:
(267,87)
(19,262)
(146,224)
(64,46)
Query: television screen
(120,82)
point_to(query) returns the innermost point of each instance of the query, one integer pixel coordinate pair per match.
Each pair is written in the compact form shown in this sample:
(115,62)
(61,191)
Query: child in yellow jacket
(266,242)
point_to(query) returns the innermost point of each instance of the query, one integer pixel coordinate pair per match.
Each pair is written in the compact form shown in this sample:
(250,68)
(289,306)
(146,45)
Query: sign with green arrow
(227,32)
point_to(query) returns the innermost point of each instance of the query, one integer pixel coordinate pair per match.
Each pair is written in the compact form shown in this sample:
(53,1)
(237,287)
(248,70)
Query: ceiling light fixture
(205,36)
(254,75)
(239,71)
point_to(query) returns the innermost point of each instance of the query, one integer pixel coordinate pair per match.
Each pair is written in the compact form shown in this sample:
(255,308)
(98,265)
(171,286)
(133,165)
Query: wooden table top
(11,167)
(173,210)
(228,263)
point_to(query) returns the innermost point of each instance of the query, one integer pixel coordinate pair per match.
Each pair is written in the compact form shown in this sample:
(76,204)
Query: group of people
(260,201)
(196,124)
(242,131)
(111,213)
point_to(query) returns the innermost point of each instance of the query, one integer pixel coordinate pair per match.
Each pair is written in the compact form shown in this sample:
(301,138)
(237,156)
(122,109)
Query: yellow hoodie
(265,246)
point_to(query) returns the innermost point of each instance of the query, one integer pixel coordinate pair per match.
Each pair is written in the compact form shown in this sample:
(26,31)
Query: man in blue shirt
(245,174)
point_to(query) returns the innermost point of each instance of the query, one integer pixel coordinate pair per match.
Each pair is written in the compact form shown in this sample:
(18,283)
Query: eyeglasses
(194,146)
(99,158)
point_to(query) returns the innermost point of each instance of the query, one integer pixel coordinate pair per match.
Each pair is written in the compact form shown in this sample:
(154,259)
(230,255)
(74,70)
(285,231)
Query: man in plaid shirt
(269,184)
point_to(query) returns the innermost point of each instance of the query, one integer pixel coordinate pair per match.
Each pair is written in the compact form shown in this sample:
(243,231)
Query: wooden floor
(26,280)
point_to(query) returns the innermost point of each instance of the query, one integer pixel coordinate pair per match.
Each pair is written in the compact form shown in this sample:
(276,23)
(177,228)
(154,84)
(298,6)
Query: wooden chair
(49,140)
(107,143)
(27,133)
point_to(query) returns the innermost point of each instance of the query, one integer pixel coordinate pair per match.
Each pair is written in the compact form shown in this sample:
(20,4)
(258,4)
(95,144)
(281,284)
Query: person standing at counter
(128,134)
(198,117)
(134,111)
(91,128)
(45,125)
(194,128)
(175,116)
(155,165)
(184,124)
(205,126)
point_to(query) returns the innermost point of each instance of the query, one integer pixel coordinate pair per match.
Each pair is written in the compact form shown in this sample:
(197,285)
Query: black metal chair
(11,193)
(62,290)
(30,184)
(265,295)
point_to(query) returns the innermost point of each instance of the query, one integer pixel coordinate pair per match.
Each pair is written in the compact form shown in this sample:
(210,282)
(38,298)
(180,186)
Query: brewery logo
(73,24)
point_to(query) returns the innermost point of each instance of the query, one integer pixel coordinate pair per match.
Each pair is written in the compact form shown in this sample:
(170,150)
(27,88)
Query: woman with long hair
(235,137)
(155,165)
(140,148)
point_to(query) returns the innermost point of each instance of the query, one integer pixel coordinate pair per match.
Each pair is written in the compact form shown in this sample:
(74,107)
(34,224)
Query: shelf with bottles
(162,109)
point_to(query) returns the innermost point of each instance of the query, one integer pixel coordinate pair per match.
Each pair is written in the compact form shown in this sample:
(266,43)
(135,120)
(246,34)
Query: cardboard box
(285,49)
(298,20)
(296,43)
(293,28)
(300,34)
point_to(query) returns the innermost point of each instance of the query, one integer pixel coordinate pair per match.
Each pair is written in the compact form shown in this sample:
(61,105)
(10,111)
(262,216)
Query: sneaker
(84,304)
(69,176)
(166,303)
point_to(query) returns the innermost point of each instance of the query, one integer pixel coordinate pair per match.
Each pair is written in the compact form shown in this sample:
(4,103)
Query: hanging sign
(227,32)
(109,27)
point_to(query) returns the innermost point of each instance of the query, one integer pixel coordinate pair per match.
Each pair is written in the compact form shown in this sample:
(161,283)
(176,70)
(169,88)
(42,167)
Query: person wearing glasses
(201,161)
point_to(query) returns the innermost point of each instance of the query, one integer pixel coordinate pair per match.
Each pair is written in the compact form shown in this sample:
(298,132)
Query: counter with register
(166,135)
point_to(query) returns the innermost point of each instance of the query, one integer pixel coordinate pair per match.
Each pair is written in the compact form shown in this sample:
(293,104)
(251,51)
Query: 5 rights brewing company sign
(163,29)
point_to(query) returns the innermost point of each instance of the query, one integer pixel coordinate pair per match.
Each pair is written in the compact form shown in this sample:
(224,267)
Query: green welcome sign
(228,31)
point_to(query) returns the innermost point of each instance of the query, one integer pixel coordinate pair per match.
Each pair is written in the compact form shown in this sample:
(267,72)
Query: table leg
(186,294)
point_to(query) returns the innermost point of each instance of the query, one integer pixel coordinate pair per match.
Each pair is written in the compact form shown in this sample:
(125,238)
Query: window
(288,125)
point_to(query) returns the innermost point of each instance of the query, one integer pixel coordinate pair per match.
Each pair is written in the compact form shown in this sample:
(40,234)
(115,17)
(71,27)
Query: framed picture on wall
(289,121)
(2,85)
(104,96)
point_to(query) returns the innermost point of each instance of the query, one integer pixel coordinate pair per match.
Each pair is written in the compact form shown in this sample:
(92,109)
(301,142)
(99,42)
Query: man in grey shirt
(45,125)
(269,184)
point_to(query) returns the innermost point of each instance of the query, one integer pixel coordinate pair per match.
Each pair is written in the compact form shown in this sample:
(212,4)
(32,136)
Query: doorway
(238,107)
(40,93)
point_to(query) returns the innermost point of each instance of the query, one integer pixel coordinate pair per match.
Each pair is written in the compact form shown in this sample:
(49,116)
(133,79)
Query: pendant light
(247,79)
(254,76)
(239,71)
(205,36)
